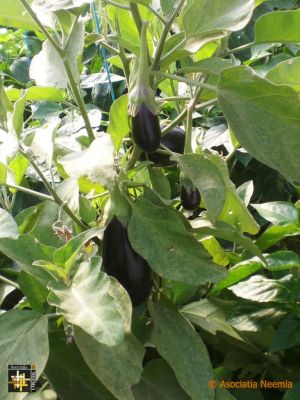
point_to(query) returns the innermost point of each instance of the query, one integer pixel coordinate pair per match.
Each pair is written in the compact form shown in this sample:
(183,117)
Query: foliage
(224,304)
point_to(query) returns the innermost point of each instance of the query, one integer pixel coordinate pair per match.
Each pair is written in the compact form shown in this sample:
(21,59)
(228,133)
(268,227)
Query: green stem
(136,16)
(164,35)
(186,80)
(42,196)
(119,5)
(42,28)
(79,99)
(122,54)
(173,98)
(9,282)
(237,49)
(136,152)
(188,132)
(207,104)
(58,200)
(96,196)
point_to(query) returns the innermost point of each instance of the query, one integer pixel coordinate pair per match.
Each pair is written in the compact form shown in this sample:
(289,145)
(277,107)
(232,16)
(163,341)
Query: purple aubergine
(122,262)
(174,140)
(190,199)
(146,130)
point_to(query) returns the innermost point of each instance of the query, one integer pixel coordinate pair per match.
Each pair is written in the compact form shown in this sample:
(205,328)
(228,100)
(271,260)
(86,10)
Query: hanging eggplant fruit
(122,262)
(146,131)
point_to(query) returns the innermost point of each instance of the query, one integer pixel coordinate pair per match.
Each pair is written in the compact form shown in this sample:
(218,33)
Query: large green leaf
(48,61)
(118,368)
(69,375)
(158,382)
(8,227)
(183,349)
(278,26)
(95,302)
(25,251)
(286,72)
(264,290)
(211,316)
(278,212)
(264,117)
(161,236)
(35,292)
(96,162)
(288,333)
(13,14)
(118,126)
(56,5)
(23,340)
(203,21)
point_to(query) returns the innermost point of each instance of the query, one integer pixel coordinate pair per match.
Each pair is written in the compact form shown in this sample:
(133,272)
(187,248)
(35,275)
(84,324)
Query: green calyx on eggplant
(189,195)
(122,262)
(174,140)
(141,101)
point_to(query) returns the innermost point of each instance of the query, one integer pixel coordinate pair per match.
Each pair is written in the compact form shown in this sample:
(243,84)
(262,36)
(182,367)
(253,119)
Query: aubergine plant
(149,194)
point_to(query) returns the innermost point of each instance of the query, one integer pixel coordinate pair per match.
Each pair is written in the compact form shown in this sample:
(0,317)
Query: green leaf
(57,5)
(278,212)
(213,65)
(207,178)
(65,255)
(175,339)
(160,183)
(35,292)
(214,20)
(95,302)
(17,116)
(276,233)
(287,334)
(254,317)
(3,174)
(25,251)
(222,230)
(264,290)
(211,316)
(282,260)
(174,252)
(13,14)
(95,163)
(118,368)
(18,166)
(8,227)
(69,375)
(264,118)
(118,126)
(286,72)
(287,25)
(23,340)
(237,273)
(48,60)
(158,382)
(167,6)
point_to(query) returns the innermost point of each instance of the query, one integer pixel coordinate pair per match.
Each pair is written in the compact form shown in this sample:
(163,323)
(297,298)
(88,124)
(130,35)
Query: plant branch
(23,189)
(164,35)
(136,152)
(240,48)
(186,80)
(136,16)
(58,200)
(9,282)
(79,99)
(122,54)
(188,131)
(42,28)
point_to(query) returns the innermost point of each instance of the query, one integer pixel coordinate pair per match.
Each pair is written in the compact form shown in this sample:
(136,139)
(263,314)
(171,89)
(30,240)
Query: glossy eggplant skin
(146,130)
(190,199)
(123,263)
(173,140)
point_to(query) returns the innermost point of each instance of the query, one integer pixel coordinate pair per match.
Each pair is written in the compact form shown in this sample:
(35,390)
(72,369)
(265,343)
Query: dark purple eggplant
(146,130)
(173,140)
(123,263)
(190,198)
